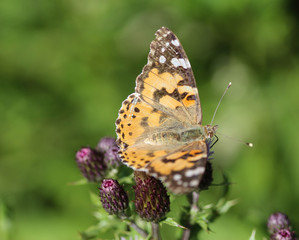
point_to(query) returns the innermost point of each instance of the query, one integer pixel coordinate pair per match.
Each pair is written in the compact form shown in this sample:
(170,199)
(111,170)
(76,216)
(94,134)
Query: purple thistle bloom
(114,199)
(91,164)
(109,148)
(105,143)
(278,221)
(283,234)
(151,199)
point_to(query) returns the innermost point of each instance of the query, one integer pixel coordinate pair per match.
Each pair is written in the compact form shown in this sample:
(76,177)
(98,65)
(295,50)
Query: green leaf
(112,173)
(80,182)
(203,223)
(171,222)
(223,206)
(252,237)
(95,199)
(126,180)
(5,223)
(90,233)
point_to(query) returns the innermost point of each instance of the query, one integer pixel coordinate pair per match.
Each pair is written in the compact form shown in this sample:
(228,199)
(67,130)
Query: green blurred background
(66,66)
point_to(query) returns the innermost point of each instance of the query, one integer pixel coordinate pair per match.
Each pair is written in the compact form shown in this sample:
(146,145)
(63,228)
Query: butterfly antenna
(220,102)
(249,144)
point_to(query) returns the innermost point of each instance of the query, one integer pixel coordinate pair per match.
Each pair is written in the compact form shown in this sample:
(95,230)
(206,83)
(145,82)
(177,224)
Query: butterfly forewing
(137,124)
(167,79)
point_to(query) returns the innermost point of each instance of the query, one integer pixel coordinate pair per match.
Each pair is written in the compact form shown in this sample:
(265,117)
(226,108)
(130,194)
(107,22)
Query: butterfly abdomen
(163,138)
(192,134)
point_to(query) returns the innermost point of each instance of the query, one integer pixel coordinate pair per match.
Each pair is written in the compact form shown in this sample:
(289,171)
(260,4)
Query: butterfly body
(179,136)
(159,127)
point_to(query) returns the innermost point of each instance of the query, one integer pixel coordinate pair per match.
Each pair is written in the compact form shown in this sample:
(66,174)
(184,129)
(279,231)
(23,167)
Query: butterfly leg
(214,142)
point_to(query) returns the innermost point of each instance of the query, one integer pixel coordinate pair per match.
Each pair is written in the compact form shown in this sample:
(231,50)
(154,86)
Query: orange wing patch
(133,120)
(138,158)
(158,86)
(168,93)
(182,169)
(136,121)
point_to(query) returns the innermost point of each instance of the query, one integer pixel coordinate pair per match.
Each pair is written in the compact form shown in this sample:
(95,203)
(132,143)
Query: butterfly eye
(214,128)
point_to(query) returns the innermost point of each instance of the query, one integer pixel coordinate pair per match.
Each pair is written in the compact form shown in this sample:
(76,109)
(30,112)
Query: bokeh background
(66,66)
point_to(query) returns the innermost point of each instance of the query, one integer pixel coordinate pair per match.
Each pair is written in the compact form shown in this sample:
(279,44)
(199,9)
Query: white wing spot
(189,173)
(177,177)
(175,42)
(183,63)
(162,59)
(194,172)
(162,49)
(167,44)
(162,178)
(194,183)
(175,62)
(180,62)
(188,63)
(155,175)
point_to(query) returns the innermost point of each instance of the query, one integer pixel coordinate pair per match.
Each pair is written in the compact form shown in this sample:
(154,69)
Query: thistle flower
(109,148)
(283,234)
(114,199)
(91,164)
(278,221)
(151,199)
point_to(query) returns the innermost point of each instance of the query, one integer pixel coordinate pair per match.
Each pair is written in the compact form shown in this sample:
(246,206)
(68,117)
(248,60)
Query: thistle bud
(91,164)
(151,199)
(114,199)
(109,148)
(105,143)
(207,178)
(278,221)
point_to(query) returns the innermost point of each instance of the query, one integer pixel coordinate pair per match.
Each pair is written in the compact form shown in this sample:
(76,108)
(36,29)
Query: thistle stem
(155,231)
(132,224)
(186,234)
(195,197)
(193,200)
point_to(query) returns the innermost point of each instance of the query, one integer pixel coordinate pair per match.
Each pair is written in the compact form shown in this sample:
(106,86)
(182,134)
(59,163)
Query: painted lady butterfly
(159,127)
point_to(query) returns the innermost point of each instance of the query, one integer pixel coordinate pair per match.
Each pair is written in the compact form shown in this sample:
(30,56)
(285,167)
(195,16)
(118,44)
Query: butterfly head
(210,130)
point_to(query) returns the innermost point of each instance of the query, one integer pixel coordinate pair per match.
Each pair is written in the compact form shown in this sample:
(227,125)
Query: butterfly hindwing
(182,169)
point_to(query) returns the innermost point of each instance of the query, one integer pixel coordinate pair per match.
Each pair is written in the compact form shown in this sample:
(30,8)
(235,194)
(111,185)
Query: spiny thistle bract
(108,147)
(151,198)
(91,164)
(114,199)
